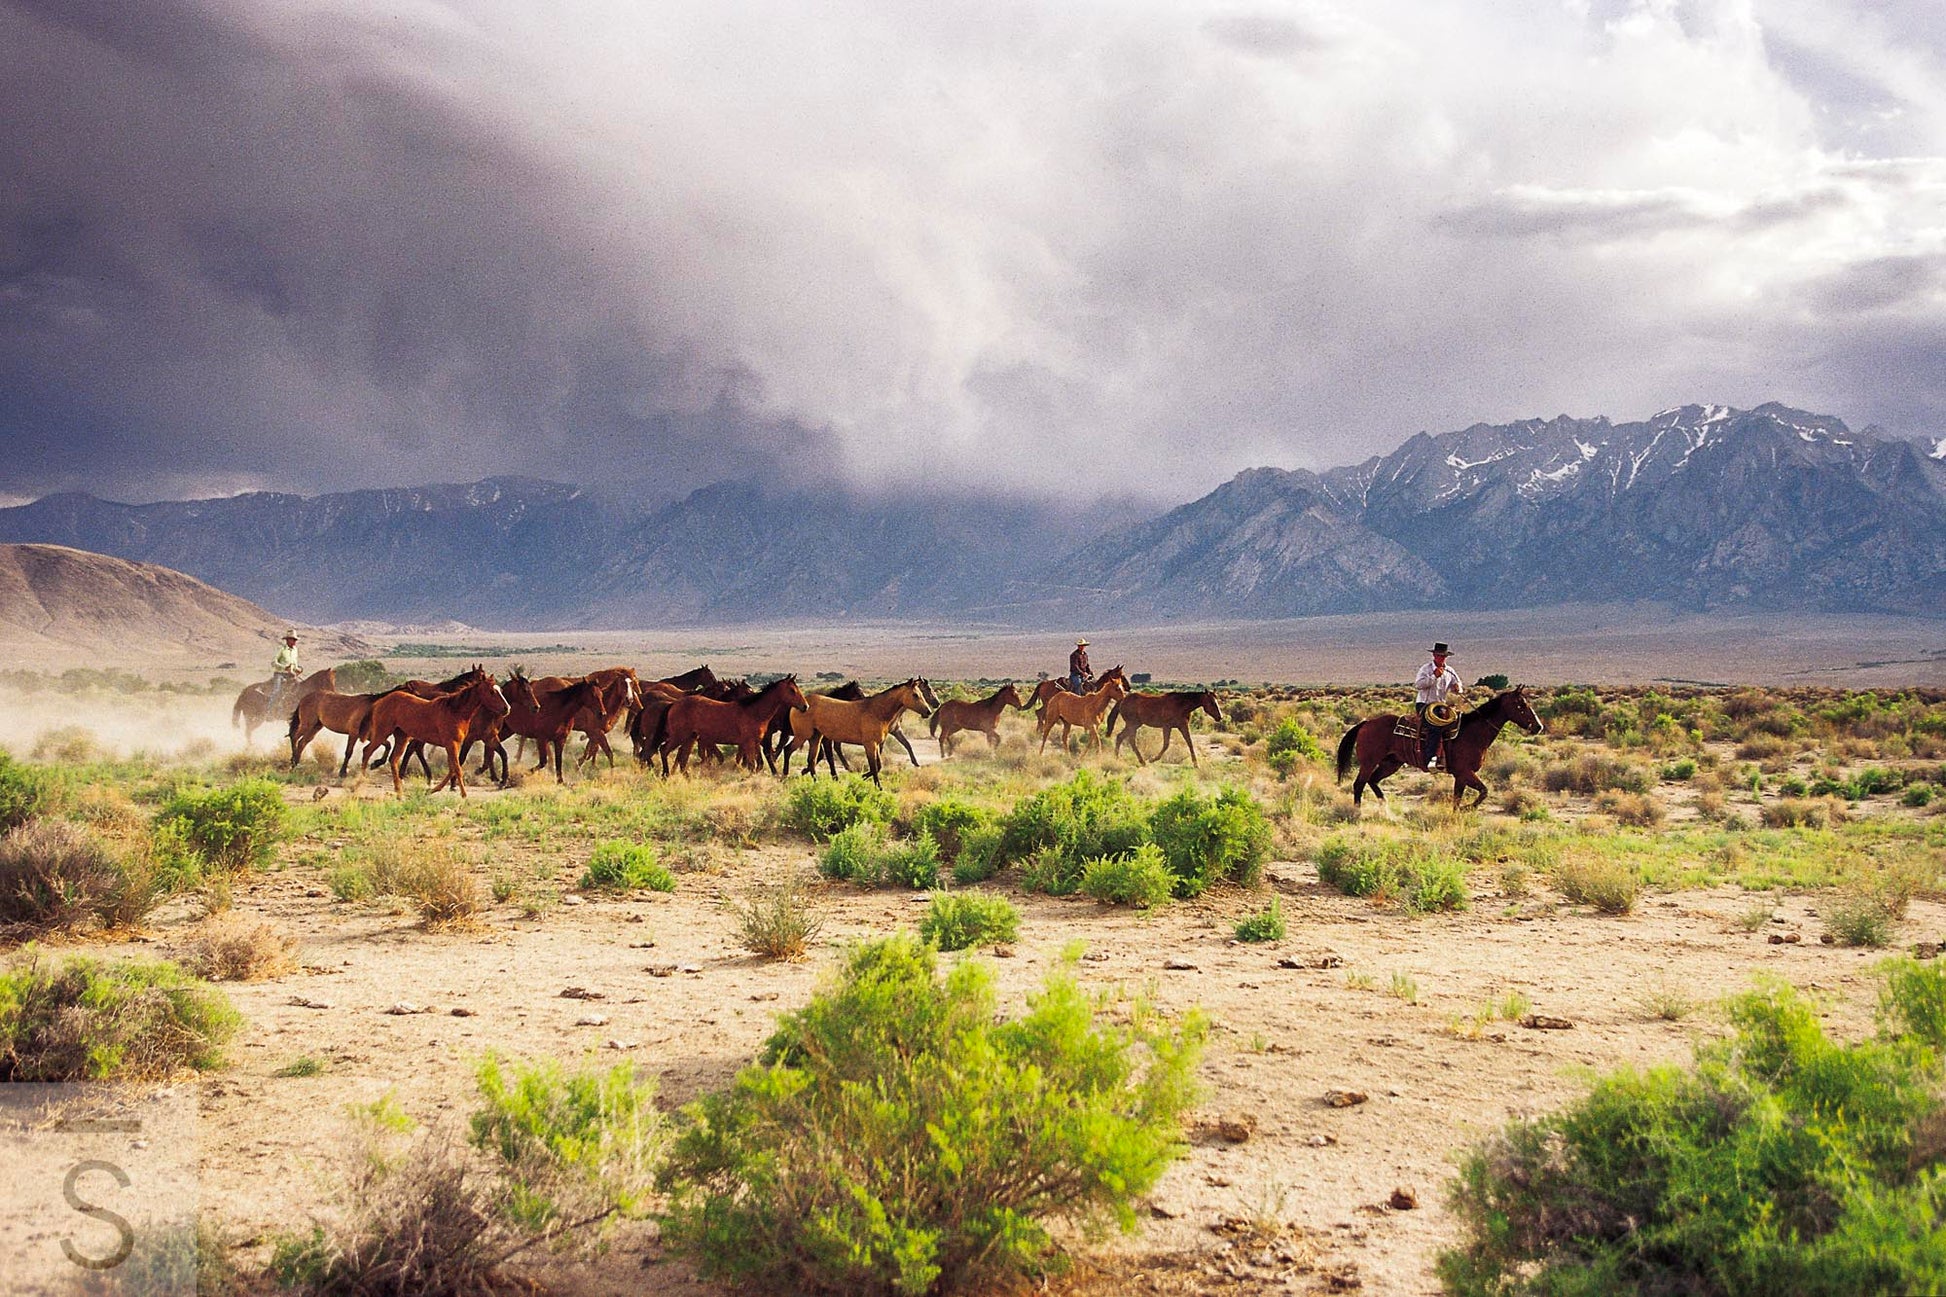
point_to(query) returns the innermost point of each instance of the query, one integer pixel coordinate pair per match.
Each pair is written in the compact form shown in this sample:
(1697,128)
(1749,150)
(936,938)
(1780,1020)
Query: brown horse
(692,719)
(323,710)
(648,722)
(1053,685)
(547,716)
(619,694)
(445,720)
(1069,710)
(865,723)
(982,717)
(252,707)
(834,753)
(1167,712)
(380,752)
(1380,750)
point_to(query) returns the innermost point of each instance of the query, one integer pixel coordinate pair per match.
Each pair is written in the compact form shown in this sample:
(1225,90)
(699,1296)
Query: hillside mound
(67,607)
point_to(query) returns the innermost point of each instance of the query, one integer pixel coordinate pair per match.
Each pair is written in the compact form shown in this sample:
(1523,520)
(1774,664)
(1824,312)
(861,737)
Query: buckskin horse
(1380,749)
(1167,712)
(1069,710)
(957,715)
(444,720)
(865,723)
(252,706)
(692,719)
(850,691)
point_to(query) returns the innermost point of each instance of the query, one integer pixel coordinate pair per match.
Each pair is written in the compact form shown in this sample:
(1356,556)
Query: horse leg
(993,739)
(344,767)
(455,768)
(872,762)
(392,759)
(424,765)
(560,743)
(906,743)
(1187,742)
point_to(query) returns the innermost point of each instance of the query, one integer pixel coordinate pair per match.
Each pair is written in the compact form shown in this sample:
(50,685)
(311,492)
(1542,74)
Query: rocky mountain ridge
(1699,506)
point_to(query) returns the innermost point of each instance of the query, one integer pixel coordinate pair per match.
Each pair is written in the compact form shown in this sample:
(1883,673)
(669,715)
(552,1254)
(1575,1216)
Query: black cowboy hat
(1439,646)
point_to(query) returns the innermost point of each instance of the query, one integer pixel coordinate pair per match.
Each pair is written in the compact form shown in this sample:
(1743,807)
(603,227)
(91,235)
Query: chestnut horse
(376,753)
(445,719)
(692,719)
(648,722)
(982,717)
(327,710)
(547,716)
(620,693)
(1167,712)
(865,722)
(1380,750)
(252,706)
(1053,685)
(1069,710)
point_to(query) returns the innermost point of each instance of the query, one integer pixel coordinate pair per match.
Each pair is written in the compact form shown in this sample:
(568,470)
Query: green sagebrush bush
(231,828)
(626,866)
(821,808)
(563,1155)
(979,855)
(24,793)
(863,854)
(1779,1162)
(1419,876)
(951,822)
(1080,820)
(957,920)
(1290,743)
(1266,924)
(96,1020)
(896,1137)
(1140,879)
(1212,839)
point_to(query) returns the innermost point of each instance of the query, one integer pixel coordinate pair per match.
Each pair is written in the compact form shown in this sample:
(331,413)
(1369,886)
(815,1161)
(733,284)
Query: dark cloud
(1035,246)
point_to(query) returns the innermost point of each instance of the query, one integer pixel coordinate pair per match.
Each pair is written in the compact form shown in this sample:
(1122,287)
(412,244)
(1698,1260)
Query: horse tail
(932,723)
(1115,714)
(1346,747)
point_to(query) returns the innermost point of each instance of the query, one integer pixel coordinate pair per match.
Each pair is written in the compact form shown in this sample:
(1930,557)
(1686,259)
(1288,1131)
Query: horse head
(788,690)
(489,695)
(925,689)
(1207,701)
(912,694)
(522,690)
(1010,695)
(1115,686)
(1515,707)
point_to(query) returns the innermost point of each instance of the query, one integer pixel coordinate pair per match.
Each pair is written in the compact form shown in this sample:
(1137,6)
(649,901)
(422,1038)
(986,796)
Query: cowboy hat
(1081,643)
(1439,647)
(290,634)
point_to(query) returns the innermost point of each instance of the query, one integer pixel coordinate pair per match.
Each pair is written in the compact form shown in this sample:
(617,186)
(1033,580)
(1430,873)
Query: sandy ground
(1284,1036)
(1293,1020)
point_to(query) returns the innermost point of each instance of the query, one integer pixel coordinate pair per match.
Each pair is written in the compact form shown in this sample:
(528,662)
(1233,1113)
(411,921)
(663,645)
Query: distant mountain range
(1701,506)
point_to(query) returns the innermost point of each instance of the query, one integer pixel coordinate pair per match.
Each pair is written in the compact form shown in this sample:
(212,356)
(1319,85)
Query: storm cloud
(1050,247)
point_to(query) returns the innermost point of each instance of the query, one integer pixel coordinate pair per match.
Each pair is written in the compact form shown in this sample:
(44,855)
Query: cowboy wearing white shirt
(1436,683)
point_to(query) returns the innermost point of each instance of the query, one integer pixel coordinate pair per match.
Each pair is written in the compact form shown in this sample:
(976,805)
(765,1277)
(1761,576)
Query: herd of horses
(699,714)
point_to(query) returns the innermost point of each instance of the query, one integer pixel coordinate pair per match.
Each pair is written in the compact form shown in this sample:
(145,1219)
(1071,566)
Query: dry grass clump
(442,885)
(778,920)
(1803,813)
(56,876)
(233,950)
(1594,772)
(1765,749)
(1639,810)
(96,1020)
(1860,917)
(1608,885)
(1521,800)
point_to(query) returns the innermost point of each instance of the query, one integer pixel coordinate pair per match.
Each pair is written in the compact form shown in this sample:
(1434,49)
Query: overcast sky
(313,244)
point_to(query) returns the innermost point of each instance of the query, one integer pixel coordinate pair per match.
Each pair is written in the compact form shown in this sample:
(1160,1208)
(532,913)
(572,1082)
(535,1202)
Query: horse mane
(1491,705)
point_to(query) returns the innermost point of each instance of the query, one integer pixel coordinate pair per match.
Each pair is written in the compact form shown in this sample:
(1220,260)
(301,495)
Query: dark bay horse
(982,717)
(547,716)
(1380,750)
(252,707)
(1167,712)
(693,719)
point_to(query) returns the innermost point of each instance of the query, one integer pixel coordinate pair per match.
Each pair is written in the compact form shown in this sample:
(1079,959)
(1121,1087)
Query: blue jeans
(1077,683)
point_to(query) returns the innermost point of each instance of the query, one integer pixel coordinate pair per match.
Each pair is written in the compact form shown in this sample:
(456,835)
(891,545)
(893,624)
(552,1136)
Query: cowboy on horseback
(1081,676)
(1438,719)
(283,668)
